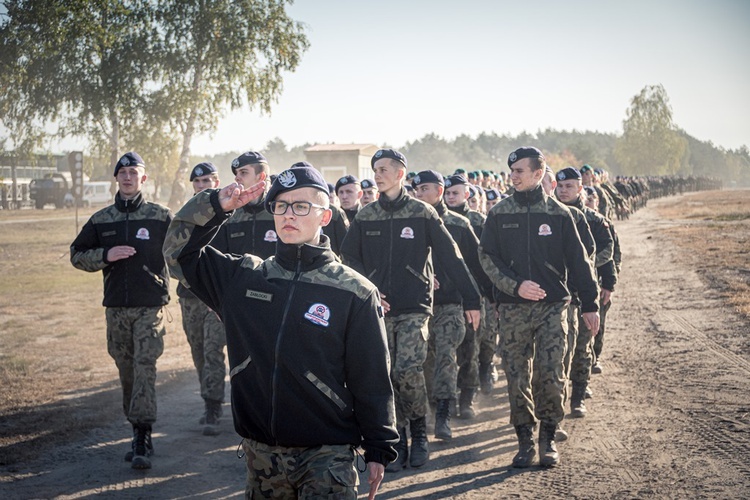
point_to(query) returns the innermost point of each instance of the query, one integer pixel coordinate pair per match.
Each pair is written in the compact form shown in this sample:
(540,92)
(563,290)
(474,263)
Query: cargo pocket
(344,474)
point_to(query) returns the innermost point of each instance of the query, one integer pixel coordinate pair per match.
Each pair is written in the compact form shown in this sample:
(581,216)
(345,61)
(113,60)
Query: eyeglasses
(299,208)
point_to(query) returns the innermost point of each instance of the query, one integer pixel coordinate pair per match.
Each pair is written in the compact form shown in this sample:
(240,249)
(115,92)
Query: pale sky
(388,72)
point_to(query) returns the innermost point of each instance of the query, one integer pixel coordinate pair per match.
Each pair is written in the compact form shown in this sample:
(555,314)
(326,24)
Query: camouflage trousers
(135,340)
(570,348)
(599,339)
(488,331)
(325,471)
(533,339)
(468,358)
(407,342)
(583,354)
(205,334)
(447,327)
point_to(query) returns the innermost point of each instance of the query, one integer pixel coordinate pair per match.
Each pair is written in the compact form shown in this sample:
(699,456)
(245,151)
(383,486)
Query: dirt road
(670,417)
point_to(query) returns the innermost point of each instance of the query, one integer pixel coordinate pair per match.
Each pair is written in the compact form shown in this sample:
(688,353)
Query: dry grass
(53,353)
(714,229)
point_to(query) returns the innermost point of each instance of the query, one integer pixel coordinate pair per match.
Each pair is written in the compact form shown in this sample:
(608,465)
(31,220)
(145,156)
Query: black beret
(302,164)
(492,194)
(524,152)
(427,177)
(368,183)
(131,159)
(202,169)
(590,191)
(388,153)
(473,191)
(296,178)
(599,171)
(248,158)
(569,173)
(347,179)
(331,188)
(455,180)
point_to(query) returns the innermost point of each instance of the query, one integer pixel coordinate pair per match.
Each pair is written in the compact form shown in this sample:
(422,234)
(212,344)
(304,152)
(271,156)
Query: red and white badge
(143,234)
(407,233)
(270,236)
(318,314)
(544,230)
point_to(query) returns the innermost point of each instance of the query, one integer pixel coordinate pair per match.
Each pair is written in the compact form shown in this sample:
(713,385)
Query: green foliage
(650,144)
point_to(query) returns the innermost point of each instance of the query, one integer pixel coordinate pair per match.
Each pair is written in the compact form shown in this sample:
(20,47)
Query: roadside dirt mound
(670,416)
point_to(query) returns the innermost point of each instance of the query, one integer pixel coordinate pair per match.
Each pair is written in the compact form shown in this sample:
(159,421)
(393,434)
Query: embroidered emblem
(198,172)
(512,157)
(407,233)
(143,234)
(287,178)
(318,314)
(270,236)
(544,230)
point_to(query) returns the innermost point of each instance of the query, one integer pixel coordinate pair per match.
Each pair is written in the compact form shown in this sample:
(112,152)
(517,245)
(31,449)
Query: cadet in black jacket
(309,361)
(447,326)
(124,241)
(392,241)
(569,191)
(250,229)
(528,247)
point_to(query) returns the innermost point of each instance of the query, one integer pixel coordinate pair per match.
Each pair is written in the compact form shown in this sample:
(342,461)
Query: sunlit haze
(389,72)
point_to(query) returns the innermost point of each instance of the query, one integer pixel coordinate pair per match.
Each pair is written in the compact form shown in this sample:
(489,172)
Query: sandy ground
(670,417)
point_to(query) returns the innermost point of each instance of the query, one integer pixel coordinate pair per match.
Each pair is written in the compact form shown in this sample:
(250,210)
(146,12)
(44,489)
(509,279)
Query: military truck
(53,188)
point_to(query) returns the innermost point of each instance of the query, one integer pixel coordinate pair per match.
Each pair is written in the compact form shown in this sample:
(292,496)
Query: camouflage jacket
(532,236)
(394,242)
(249,230)
(306,341)
(141,280)
(336,229)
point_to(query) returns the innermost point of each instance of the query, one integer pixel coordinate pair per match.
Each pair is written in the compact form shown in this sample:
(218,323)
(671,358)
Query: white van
(97,193)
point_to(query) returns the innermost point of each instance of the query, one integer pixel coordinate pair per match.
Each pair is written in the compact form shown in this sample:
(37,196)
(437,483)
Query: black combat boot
(577,406)
(526,456)
(402,448)
(548,456)
(202,420)
(485,378)
(211,418)
(466,404)
(142,447)
(420,451)
(443,420)
(129,454)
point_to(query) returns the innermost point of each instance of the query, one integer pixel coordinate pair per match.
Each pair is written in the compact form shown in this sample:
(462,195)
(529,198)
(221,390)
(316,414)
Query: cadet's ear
(327,214)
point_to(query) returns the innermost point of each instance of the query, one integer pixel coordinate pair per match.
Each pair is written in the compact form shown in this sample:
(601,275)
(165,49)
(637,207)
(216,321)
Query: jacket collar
(401,199)
(441,208)
(308,257)
(132,205)
(529,197)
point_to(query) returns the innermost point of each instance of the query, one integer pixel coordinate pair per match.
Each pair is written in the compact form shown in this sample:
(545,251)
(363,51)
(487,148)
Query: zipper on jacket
(275,378)
(528,235)
(127,261)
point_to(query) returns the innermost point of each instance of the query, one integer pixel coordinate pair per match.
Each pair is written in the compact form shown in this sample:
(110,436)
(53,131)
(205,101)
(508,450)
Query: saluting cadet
(204,330)
(308,355)
(124,241)
(251,228)
(528,248)
(391,242)
(447,326)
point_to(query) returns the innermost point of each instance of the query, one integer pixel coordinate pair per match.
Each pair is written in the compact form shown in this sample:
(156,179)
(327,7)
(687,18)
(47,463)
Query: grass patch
(718,244)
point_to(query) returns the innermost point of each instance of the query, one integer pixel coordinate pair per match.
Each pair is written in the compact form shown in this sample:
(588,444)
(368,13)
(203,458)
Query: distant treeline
(489,151)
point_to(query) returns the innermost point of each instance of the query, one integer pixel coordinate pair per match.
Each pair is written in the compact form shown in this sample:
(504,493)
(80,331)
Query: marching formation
(366,314)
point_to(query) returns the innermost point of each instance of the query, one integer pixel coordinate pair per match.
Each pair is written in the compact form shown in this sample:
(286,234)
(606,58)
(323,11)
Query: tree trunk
(114,143)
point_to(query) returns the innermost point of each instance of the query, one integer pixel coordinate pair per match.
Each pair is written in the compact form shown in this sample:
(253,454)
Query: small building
(337,160)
